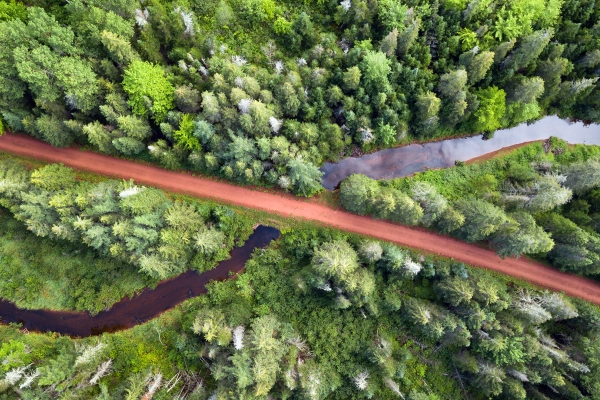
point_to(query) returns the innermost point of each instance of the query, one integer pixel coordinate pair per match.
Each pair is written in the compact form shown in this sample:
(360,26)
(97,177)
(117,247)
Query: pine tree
(118,47)
(53,130)
(481,219)
(406,210)
(128,146)
(529,49)
(261,116)
(582,176)
(370,251)
(521,237)
(357,192)
(452,83)
(432,202)
(390,43)
(408,36)
(53,177)
(351,78)
(455,291)
(477,64)
(375,68)
(551,72)
(428,106)
(502,50)
(134,127)
(305,177)
(591,59)
(210,107)
(525,90)
(384,203)
(289,100)
(335,260)
(208,240)
(187,99)
(417,312)
(450,220)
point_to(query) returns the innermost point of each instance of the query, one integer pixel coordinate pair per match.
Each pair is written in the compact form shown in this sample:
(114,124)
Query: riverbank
(407,160)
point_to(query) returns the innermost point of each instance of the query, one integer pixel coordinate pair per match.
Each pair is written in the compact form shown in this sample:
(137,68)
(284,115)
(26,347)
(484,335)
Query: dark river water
(147,305)
(403,161)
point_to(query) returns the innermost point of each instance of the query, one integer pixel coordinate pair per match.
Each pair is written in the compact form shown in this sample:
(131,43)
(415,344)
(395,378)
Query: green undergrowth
(41,273)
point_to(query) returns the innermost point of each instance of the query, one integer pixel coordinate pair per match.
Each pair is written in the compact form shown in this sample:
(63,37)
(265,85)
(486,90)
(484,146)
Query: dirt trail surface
(286,206)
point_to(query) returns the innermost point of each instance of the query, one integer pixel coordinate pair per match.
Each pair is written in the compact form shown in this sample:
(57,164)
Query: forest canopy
(264,92)
(540,200)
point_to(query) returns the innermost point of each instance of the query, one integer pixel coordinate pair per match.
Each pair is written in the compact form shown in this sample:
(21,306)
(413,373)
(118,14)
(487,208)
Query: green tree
(119,48)
(526,90)
(148,89)
(428,106)
(482,219)
(386,135)
(357,192)
(392,14)
(452,83)
(53,177)
(184,135)
(491,109)
(54,131)
(529,50)
(12,10)
(305,177)
(522,236)
(477,64)
(390,43)
(582,176)
(408,36)
(351,78)
(72,78)
(375,68)
(187,99)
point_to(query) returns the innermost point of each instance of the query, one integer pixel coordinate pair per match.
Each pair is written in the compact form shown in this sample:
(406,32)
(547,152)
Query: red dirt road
(528,270)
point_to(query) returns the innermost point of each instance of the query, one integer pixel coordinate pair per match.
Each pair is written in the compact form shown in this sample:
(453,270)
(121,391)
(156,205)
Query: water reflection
(403,161)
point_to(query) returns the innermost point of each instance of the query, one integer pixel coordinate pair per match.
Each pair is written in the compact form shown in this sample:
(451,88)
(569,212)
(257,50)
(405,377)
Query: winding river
(143,307)
(406,160)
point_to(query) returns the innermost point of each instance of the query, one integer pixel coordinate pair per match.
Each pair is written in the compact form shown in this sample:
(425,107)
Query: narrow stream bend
(147,305)
(403,161)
